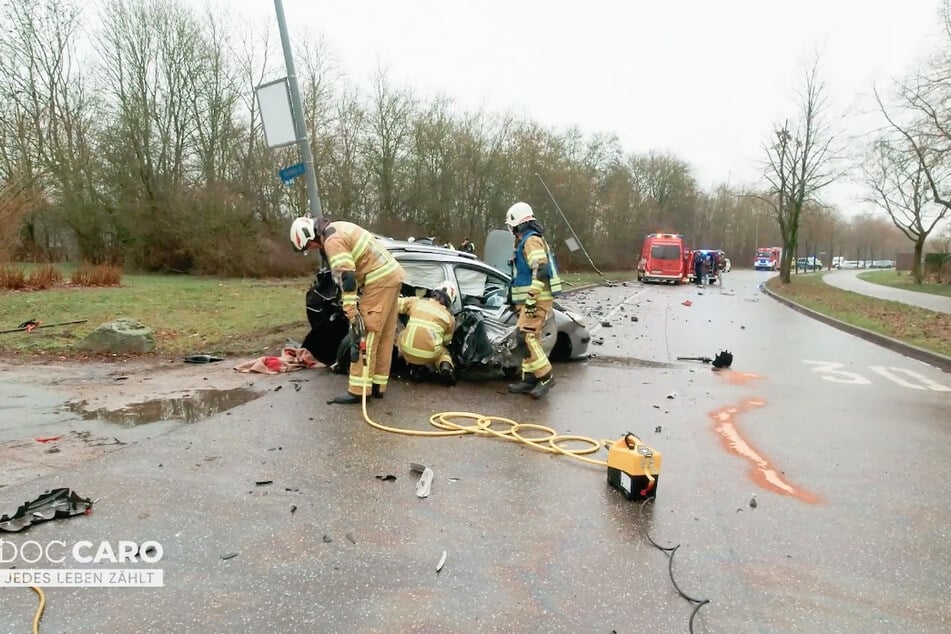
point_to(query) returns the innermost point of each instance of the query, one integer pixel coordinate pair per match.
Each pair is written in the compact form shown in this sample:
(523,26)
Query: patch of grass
(188,314)
(905,282)
(571,280)
(926,329)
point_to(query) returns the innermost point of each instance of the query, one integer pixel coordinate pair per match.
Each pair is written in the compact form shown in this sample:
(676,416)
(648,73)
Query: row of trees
(131,135)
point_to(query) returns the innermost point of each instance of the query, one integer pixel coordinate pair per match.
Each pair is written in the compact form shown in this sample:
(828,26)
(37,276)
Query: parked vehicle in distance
(662,258)
(810,263)
(883,264)
(767,258)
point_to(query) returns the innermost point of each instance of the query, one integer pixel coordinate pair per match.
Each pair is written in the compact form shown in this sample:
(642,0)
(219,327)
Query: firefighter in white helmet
(370,280)
(535,283)
(425,340)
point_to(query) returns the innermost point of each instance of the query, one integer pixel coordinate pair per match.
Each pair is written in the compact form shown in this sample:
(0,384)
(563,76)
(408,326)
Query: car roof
(395,246)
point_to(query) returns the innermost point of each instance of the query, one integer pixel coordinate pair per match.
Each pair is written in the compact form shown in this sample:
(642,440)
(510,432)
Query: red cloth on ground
(291,360)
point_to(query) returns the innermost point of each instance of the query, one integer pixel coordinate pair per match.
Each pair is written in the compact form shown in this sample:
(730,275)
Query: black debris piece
(293,508)
(53,504)
(724,359)
(261,483)
(351,539)
(327,539)
(657,429)
(278,388)
(202,358)
(387,478)
(228,556)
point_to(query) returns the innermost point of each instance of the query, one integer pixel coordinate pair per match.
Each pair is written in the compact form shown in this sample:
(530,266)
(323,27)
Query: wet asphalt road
(845,445)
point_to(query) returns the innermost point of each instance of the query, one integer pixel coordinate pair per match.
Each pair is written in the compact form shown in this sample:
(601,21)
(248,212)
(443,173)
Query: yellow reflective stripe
(403,303)
(537,365)
(390,266)
(536,254)
(519,293)
(362,242)
(380,379)
(358,381)
(424,323)
(341,260)
(349,298)
(408,338)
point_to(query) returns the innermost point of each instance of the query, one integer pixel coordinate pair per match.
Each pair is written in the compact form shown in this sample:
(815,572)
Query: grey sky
(702,79)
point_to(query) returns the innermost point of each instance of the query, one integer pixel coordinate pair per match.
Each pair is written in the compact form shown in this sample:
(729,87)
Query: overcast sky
(704,80)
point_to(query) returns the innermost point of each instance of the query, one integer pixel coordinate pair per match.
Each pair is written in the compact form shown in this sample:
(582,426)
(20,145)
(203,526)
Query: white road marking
(925,382)
(830,372)
(614,311)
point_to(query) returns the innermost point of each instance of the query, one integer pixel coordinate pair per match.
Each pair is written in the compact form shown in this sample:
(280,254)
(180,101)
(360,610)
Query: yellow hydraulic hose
(446,425)
(39,609)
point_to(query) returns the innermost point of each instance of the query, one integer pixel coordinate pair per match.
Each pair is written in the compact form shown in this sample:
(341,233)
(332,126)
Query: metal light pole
(300,126)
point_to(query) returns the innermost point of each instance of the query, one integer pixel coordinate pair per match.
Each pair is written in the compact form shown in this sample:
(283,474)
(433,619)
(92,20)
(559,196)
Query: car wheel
(562,349)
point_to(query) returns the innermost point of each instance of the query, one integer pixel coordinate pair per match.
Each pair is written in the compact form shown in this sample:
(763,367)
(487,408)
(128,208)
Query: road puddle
(187,408)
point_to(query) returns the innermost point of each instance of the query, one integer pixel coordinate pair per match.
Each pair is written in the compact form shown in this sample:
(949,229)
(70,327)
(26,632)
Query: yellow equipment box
(633,468)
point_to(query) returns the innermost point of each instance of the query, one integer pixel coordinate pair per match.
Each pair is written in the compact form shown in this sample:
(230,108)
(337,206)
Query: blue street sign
(291,172)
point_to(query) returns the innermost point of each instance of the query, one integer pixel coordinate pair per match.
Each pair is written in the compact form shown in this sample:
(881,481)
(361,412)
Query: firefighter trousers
(536,363)
(378,309)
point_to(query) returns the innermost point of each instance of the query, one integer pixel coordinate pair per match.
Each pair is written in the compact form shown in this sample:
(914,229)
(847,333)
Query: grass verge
(188,314)
(926,329)
(905,282)
(571,280)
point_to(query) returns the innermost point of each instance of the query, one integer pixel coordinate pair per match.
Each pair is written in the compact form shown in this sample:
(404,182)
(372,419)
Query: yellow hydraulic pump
(633,468)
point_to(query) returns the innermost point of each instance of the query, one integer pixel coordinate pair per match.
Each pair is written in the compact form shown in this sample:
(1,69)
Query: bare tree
(922,120)
(899,183)
(799,164)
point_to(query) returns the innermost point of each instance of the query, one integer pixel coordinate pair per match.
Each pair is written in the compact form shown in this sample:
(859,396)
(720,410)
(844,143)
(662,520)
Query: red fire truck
(662,258)
(767,258)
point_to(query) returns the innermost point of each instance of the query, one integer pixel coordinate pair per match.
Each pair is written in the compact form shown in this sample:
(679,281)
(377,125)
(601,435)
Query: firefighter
(425,339)
(370,280)
(535,282)
(698,264)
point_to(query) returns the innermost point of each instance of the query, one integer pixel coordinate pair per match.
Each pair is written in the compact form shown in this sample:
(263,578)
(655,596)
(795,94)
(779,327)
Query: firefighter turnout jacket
(426,337)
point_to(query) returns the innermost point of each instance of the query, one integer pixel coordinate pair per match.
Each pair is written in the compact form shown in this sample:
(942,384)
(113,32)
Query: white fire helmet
(518,213)
(302,232)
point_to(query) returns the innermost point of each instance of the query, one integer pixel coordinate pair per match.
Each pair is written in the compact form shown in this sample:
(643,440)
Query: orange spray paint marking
(762,472)
(738,378)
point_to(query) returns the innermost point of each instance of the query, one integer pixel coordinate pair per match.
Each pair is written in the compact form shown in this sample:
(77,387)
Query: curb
(932,358)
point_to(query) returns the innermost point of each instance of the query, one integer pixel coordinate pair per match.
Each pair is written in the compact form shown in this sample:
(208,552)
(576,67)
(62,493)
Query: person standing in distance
(535,283)
(370,280)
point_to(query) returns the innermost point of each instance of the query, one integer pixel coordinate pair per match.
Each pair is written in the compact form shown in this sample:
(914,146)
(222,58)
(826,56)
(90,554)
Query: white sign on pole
(572,244)
(274,100)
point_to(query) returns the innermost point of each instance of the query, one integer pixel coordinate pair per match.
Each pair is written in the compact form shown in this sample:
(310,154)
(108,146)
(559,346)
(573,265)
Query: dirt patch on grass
(920,327)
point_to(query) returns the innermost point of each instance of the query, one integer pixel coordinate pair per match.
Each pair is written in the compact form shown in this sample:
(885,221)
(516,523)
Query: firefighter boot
(524,386)
(345,399)
(543,385)
(376,391)
(446,375)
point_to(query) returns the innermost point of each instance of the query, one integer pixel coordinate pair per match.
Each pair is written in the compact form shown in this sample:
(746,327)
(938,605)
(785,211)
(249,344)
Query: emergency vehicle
(767,258)
(662,258)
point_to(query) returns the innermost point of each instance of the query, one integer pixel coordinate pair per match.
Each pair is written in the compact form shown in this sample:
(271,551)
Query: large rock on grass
(121,336)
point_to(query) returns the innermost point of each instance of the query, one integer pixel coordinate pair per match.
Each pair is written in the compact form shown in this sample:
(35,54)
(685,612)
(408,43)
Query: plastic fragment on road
(425,481)
(53,504)
(442,561)
(49,439)
(687,303)
(202,358)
